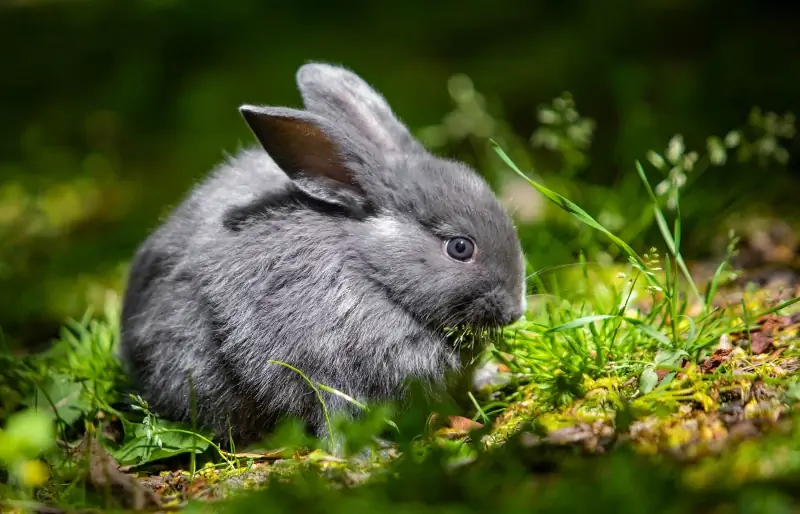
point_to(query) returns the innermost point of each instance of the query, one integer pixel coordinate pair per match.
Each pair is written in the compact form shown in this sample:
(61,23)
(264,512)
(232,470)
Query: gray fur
(332,261)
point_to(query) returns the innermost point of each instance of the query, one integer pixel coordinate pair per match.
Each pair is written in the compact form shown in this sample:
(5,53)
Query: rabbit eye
(460,248)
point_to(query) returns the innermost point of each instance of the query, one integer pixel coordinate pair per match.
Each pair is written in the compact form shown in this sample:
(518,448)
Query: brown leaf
(714,361)
(760,343)
(456,422)
(465,424)
(455,427)
(104,474)
(771,323)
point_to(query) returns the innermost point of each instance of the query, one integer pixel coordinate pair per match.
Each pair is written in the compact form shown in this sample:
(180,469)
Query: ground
(650,384)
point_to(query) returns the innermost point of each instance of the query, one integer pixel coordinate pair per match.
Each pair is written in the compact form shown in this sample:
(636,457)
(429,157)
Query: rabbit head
(429,232)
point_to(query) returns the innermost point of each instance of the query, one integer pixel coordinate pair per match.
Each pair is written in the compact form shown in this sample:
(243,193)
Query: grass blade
(663,226)
(316,391)
(650,331)
(571,208)
(579,322)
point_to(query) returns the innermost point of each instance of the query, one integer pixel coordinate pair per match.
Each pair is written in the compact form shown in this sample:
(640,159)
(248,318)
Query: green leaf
(666,380)
(27,434)
(165,440)
(579,322)
(69,403)
(650,331)
(669,357)
(648,380)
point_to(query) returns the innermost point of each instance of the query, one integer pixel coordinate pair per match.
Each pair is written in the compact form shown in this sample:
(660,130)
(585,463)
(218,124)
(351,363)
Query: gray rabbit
(340,246)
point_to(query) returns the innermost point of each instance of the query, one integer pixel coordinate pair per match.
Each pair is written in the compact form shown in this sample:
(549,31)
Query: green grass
(637,363)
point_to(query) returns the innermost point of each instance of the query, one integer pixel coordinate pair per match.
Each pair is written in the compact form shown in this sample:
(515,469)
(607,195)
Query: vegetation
(635,383)
(657,367)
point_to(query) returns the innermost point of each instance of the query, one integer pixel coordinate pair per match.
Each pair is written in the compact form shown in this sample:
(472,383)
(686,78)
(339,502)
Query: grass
(634,386)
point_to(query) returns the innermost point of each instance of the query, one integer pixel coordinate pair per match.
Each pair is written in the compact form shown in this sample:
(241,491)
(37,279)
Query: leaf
(27,434)
(68,402)
(760,343)
(104,475)
(667,377)
(579,322)
(464,424)
(650,331)
(715,360)
(669,357)
(648,380)
(140,449)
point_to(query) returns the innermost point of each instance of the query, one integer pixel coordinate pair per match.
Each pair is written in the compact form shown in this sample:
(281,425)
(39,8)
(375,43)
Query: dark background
(111,110)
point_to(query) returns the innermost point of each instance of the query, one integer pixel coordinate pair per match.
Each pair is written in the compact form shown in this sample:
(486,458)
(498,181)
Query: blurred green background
(112,110)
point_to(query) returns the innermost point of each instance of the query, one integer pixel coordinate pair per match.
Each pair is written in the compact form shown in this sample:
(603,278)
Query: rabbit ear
(342,96)
(318,157)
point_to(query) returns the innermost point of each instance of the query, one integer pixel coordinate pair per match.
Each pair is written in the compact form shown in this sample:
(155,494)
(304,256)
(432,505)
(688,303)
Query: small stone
(725,343)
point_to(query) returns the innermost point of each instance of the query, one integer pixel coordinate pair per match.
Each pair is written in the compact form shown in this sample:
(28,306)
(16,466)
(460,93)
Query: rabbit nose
(511,316)
(498,308)
(512,312)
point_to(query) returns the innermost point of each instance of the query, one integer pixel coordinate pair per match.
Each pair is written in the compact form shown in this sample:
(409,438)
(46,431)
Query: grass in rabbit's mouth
(469,337)
(689,384)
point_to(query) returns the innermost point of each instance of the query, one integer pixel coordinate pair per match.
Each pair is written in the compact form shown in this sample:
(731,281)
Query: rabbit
(339,245)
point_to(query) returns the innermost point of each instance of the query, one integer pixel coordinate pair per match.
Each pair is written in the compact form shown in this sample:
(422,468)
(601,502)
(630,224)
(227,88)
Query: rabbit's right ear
(342,96)
(321,159)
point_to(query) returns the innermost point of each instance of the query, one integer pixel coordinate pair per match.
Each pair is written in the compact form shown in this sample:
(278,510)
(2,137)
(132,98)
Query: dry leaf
(713,362)
(104,474)
(465,424)
(760,343)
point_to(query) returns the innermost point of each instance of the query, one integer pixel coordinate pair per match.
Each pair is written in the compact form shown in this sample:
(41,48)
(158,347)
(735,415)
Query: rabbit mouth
(470,336)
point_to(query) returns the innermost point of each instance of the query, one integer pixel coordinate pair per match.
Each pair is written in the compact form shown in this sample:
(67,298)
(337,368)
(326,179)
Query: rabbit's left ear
(345,98)
(323,161)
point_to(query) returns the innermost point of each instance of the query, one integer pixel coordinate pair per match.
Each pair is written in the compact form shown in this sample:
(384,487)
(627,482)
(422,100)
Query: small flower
(675,148)
(689,160)
(571,115)
(677,177)
(672,200)
(461,88)
(656,160)
(549,116)
(733,139)
(717,153)
(782,155)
